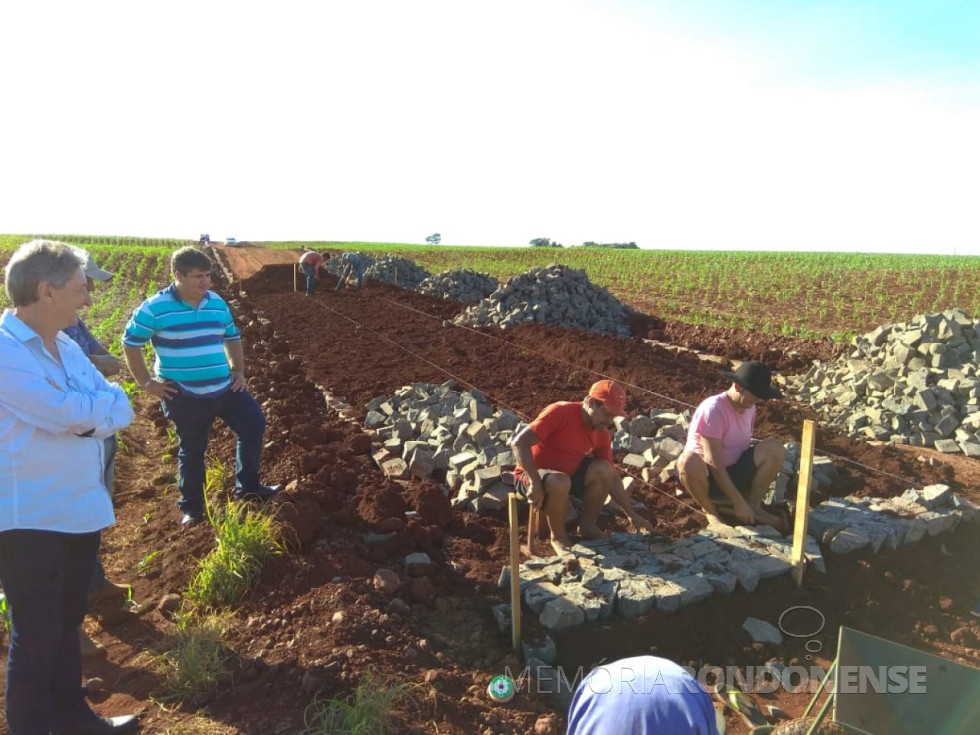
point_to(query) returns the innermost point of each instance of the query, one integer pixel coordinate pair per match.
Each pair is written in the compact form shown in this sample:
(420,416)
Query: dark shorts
(578,480)
(742,474)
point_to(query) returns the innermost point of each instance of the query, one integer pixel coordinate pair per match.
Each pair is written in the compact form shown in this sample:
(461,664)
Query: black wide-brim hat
(755,377)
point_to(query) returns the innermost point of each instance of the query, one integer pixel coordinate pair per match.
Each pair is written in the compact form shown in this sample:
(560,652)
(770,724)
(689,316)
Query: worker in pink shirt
(310,262)
(720,465)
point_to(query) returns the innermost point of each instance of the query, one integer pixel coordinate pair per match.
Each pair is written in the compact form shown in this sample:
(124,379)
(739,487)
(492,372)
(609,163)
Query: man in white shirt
(53,404)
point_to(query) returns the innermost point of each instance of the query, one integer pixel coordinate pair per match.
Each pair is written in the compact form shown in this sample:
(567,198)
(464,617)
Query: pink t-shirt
(716,418)
(311,257)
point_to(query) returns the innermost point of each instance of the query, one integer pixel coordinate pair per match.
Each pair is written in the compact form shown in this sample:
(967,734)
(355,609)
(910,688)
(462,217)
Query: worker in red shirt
(310,262)
(567,451)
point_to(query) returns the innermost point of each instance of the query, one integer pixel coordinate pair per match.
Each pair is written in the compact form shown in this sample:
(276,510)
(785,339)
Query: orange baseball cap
(611,394)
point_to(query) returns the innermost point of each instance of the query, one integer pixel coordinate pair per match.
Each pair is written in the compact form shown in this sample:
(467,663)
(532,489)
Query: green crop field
(832,295)
(142,267)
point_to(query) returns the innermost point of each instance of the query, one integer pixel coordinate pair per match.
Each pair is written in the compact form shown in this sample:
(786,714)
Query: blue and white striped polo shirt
(189,342)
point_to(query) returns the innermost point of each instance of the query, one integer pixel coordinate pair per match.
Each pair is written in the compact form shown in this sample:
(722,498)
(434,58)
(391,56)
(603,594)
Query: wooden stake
(532,527)
(295,276)
(515,573)
(803,500)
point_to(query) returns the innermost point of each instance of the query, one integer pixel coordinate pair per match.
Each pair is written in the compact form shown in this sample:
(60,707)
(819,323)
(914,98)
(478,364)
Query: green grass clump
(366,712)
(4,614)
(194,659)
(246,538)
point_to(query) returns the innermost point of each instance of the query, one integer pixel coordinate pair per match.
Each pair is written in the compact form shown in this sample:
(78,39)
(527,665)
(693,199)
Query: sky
(838,125)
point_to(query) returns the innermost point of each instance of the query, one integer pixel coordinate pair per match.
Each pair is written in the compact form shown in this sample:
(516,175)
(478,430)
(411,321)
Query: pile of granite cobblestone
(555,295)
(913,382)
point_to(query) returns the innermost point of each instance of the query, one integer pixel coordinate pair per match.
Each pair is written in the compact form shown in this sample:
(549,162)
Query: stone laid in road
(639,574)
(423,428)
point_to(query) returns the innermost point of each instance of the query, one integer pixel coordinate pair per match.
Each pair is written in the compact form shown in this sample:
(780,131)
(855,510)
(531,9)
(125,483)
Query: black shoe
(264,492)
(190,519)
(102,726)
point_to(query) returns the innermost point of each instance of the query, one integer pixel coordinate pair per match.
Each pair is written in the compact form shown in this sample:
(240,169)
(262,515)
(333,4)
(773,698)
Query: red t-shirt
(565,440)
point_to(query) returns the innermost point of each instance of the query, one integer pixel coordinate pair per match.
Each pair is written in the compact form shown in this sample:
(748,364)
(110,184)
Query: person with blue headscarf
(643,695)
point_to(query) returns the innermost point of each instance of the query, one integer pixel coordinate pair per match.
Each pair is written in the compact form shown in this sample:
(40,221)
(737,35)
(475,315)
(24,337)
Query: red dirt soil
(436,631)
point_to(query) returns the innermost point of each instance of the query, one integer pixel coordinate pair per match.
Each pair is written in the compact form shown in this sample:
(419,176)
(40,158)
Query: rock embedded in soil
(387,582)
(169,604)
(762,632)
(548,724)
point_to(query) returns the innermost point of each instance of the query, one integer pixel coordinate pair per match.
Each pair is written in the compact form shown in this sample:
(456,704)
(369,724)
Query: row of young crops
(141,269)
(832,295)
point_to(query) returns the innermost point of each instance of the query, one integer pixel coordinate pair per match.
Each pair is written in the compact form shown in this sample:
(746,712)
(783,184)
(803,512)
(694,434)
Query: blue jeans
(192,419)
(351,270)
(108,477)
(45,577)
(310,278)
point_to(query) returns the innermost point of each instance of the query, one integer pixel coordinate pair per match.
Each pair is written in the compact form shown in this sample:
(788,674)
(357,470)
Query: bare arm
(137,367)
(236,361)
(712,458)
(105,362)
(521,445)
(621,498)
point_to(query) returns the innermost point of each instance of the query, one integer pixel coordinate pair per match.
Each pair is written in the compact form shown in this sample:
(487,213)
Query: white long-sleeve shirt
(51,477)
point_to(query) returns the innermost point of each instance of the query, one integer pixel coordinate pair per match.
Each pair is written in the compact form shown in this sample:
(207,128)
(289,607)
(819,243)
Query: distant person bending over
(200,367)
(567,451)
(310,262)
(718,465)
(353,267)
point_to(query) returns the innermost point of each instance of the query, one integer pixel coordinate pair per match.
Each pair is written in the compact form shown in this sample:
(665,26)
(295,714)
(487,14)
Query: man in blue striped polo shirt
(200,376)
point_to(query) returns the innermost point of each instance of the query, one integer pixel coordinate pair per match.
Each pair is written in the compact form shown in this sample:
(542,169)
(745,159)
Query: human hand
(106,364)
(162,389)
(641,524)
(238,382)
(744,513)
(536,496)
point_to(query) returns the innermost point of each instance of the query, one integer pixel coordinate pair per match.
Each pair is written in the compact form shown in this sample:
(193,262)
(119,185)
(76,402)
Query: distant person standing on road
(200,376)
(310,262)
(56,410)
(353,265)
